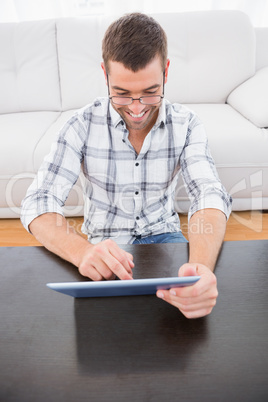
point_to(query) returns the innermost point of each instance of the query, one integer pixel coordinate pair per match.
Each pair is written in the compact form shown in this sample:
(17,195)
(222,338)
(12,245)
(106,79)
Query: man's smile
(137,117)
(139,121)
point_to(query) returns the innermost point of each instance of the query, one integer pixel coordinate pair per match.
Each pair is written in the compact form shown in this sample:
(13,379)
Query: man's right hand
(106,260)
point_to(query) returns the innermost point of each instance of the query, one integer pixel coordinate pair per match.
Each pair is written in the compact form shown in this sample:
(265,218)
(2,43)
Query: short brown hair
(134,40)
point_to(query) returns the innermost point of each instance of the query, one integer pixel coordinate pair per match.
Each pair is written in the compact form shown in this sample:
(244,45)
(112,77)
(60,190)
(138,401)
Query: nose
(136,107)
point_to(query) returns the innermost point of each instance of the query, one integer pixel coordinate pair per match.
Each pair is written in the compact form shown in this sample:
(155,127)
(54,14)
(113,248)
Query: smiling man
(131,146)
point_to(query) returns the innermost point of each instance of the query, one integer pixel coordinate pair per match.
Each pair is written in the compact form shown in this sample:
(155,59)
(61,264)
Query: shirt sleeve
(57,174)
(201,179)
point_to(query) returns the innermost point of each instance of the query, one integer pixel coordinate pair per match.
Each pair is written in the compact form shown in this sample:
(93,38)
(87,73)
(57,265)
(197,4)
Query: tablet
(121,287)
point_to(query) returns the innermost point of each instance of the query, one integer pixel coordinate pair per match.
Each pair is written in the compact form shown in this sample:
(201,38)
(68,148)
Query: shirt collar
(161,118)
(116,119)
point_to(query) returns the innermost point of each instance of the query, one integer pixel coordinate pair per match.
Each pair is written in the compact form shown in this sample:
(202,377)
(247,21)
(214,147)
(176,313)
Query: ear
(166,70)
(104,70)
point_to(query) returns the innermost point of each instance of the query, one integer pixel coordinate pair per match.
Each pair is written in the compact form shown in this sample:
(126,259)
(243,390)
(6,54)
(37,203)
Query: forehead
(122,77)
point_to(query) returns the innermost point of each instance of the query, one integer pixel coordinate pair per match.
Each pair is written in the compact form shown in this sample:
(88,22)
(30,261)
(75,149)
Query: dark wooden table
(138,348)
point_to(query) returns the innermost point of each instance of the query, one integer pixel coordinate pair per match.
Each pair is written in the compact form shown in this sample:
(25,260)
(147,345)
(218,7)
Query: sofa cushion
(261,47)
(251,98)
(29,77)
(234,141)
(79,52)
(21,133)
(240,152)
(44,145)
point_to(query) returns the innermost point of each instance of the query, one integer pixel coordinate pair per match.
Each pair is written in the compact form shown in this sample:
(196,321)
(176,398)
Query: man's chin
(136,126)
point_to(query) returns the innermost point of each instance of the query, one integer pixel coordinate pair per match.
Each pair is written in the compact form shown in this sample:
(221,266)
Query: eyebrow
(155,86)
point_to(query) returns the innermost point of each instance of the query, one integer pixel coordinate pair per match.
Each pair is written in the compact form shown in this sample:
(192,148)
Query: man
(131,147)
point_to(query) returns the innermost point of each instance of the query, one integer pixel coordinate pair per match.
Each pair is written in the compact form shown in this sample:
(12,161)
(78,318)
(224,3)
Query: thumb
(188,270)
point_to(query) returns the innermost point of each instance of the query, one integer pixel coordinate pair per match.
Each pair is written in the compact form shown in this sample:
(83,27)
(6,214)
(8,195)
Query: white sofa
(219,68)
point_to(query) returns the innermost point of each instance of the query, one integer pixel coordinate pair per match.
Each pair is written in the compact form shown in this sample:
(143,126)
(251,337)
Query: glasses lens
(150,100)
(121,100)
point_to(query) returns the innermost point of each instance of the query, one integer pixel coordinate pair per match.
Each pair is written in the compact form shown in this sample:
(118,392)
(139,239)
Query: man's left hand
(197,300)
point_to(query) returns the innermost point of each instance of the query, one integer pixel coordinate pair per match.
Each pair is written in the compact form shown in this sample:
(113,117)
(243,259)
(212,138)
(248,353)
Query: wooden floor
(249,225)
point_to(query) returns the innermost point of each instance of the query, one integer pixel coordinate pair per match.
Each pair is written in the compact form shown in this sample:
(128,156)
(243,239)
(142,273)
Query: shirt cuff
(30,212)
(223,205)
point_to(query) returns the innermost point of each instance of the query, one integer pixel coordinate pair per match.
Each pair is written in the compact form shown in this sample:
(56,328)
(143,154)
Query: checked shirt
(127,195)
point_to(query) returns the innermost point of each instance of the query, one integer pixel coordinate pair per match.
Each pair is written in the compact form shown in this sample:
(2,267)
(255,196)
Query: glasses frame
(139,99)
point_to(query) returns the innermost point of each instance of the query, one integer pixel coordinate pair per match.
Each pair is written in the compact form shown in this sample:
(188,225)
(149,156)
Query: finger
(90,272)
(195,310)
(124,258)
(171,297)
(130,260)
(118,269)
(206,283)
(94,267)
(97,270)
(98,274)
(206,299)
(115,259)
(100,262)
(104,271)
(188,270)
(197,296)
(190,304)
(189,309)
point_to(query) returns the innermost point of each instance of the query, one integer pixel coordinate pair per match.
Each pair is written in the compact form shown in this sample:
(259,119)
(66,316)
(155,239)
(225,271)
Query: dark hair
(134,40)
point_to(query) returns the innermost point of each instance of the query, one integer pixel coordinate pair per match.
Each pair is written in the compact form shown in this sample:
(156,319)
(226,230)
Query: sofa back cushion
(80,57)
(261,47)
(55,65)
(29,78)
(211,53)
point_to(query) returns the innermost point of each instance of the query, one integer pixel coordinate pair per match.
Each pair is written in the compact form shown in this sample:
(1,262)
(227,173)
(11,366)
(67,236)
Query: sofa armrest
(251,98)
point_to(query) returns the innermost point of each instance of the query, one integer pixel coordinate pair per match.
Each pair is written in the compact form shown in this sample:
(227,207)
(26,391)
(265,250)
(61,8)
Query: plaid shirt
(127,194)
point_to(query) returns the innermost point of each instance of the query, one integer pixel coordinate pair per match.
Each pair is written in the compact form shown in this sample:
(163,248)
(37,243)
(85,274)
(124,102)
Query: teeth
(137,115)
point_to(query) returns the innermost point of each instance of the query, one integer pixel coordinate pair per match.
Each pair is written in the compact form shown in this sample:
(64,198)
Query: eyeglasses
(128,100)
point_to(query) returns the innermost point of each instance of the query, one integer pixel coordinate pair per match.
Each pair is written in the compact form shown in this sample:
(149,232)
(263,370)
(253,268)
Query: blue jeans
(176,237)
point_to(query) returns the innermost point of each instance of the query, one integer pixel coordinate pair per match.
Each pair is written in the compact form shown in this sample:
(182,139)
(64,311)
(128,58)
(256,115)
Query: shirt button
(136,192)
(137,164)
(123,140)
(137,218)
